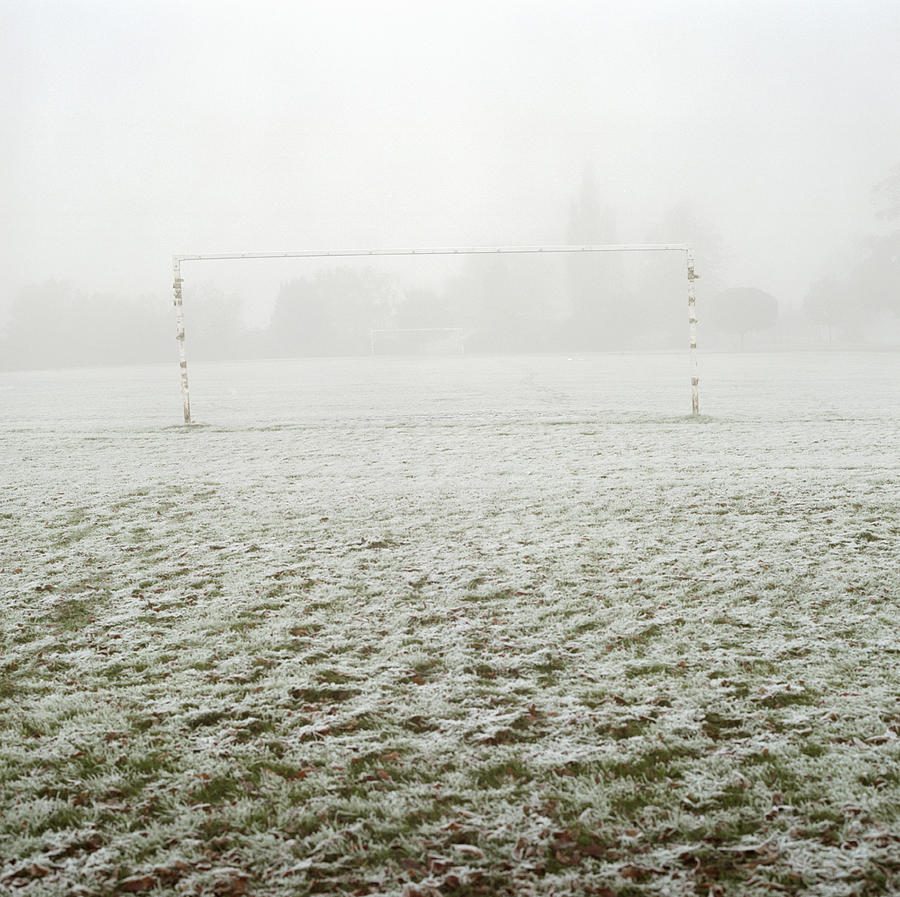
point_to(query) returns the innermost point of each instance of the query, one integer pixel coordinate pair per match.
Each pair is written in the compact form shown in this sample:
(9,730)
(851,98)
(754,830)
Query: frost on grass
(603,656)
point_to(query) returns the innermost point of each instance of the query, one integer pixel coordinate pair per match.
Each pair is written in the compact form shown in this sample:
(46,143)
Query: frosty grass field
(452,626)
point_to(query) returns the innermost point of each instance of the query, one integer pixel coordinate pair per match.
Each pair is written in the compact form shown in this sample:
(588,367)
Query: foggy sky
(136,129)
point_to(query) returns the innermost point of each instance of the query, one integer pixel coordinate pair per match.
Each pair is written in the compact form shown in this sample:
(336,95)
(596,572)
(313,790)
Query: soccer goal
(691,276)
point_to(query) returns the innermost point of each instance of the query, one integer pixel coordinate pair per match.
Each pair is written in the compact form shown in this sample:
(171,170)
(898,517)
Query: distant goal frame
(180,258)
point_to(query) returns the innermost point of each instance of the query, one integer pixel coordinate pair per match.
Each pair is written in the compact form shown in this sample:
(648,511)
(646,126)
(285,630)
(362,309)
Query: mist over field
(764,134)
(449,574)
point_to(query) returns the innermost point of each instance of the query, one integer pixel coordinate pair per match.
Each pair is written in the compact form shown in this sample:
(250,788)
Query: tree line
(520,303)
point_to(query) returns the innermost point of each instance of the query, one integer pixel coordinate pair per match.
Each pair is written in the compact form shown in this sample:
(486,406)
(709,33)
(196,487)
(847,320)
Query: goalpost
(688,251)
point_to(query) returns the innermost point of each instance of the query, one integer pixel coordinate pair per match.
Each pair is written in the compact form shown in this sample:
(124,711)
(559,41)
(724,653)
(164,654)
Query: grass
(304,679)
(266,784)
(72,614)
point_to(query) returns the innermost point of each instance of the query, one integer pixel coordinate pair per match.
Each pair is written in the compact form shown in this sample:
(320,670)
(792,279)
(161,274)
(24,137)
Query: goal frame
(687,249)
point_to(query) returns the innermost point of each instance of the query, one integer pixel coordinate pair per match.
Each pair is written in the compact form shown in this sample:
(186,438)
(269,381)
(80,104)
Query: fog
(418,573)
(767,134)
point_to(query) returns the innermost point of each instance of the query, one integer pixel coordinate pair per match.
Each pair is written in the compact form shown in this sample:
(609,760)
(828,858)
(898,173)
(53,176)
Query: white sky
(135,129)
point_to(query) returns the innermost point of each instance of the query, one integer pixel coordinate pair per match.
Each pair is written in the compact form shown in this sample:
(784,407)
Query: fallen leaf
(173,872)
(413,866)
(35,870)
(137,883)
(232,886)
(634,873)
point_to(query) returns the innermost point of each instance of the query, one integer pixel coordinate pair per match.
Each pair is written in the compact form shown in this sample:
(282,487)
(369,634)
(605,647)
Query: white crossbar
(440,250)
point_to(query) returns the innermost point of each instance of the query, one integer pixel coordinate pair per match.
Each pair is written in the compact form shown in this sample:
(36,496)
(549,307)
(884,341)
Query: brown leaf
(88,844)
(634,873)
(525,848)
(438,865)
(469,850)
(35,870)
(233,886)
(25,872)
(173,872)
(413,866)
(137,883)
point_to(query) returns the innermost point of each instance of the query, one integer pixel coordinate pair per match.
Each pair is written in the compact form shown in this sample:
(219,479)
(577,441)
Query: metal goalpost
(178,280)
